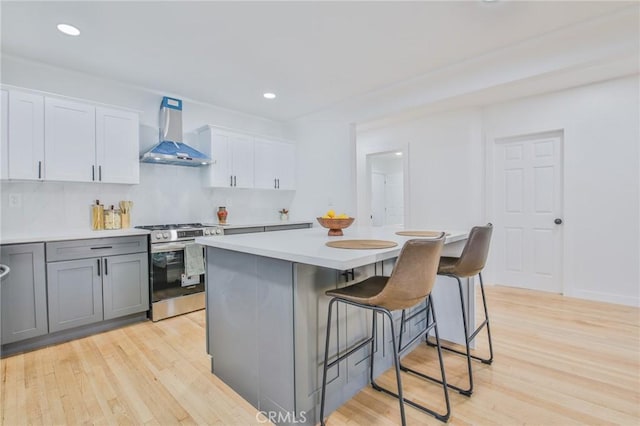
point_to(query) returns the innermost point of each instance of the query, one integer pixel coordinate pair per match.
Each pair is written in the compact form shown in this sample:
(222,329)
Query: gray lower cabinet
(125,285)
(75,293)
(266,324)
(23,293)
(269,228)
(85,288)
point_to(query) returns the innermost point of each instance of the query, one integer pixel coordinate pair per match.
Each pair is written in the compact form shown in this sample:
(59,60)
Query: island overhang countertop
(308,245)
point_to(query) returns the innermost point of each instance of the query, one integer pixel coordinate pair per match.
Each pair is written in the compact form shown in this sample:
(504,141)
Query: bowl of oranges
(335,223)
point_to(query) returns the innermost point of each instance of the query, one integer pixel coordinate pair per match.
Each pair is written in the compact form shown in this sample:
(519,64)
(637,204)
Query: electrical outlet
(15,200)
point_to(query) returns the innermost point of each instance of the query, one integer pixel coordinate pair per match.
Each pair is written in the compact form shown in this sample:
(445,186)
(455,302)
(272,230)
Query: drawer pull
(101,248)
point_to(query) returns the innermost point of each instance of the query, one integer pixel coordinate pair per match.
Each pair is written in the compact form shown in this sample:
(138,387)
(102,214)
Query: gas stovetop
(180,231)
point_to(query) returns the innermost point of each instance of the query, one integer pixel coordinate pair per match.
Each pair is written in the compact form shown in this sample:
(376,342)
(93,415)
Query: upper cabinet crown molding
(62,139)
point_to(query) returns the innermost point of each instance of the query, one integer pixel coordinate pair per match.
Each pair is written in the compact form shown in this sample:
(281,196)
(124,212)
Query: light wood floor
(559,361)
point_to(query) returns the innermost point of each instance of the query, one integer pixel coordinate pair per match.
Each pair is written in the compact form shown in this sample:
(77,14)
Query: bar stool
(470,263)
(410,283)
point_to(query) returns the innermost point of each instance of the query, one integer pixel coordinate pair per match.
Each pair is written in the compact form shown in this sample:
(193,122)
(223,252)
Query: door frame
(490,141)
(373,174)
(364,184)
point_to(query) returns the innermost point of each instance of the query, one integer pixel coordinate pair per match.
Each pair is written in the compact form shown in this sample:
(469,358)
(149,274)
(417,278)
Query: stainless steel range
(177,268)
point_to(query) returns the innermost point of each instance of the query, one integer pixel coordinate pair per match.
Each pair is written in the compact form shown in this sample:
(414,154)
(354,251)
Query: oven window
(167,276)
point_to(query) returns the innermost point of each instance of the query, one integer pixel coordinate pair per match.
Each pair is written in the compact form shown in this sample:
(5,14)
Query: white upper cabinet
(25,142)
(219,150)
(232,157)
(242,156)
(53,138)
(117,148)
(4,140)
(70,140)
(275,164)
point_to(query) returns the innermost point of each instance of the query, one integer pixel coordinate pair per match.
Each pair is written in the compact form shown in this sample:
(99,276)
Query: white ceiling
(314,55)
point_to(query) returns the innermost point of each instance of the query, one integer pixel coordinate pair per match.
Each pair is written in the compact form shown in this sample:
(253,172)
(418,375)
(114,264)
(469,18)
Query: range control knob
(165,235)
(207,232)
(158,236)
(219,231)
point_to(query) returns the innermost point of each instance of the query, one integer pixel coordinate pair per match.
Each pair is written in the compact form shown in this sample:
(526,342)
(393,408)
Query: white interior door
(527,203)
(394,203)
(377,199)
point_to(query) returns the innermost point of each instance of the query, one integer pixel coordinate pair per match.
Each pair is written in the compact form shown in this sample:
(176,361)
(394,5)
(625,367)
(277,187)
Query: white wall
(601,124)
(165,193)
(326,177)
(442,155)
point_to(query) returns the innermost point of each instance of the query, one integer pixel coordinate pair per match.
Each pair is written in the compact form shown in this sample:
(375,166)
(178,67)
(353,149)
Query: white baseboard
(599,296)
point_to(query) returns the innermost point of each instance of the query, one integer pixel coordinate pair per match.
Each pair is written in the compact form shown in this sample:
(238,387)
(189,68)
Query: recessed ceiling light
(398,154)
(269,95)
(68,29)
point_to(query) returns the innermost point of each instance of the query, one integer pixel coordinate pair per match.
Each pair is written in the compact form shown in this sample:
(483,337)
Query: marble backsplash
(166,194)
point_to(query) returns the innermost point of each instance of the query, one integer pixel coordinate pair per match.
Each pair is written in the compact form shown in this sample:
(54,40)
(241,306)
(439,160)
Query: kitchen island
(266,315)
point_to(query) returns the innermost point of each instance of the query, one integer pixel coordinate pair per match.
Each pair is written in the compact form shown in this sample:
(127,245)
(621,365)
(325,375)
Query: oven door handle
(162,248)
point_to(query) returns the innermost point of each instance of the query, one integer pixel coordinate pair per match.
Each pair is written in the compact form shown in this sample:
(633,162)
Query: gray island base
(267,315)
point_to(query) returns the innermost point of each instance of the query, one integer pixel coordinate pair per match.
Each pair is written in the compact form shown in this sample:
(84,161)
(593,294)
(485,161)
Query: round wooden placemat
(420,233)
(361,244)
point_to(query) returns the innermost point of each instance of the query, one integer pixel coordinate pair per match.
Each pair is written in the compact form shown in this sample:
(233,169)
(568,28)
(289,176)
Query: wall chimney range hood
(171,150)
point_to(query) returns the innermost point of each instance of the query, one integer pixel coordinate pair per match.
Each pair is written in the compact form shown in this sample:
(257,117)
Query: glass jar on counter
(112,219)
(117,219)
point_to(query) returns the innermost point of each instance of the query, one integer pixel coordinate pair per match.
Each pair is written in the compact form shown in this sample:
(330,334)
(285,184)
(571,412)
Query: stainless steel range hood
(171,149)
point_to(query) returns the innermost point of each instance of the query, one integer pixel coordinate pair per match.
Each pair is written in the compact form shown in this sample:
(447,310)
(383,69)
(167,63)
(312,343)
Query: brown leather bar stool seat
(410,283)
(470,263)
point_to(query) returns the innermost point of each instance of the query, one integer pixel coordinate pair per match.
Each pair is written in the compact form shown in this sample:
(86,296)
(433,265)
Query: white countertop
(236,225)
(27,236)
(76,234)
(308,245)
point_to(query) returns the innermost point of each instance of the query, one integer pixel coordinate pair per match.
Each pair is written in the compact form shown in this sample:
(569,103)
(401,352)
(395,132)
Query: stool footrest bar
(350,352)
(442,417)
(477,330)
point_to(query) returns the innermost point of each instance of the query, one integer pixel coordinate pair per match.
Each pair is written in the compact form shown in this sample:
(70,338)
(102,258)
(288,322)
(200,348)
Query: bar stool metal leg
(470,337)
(396,364)
(442,417)
(397,350)
(325,365)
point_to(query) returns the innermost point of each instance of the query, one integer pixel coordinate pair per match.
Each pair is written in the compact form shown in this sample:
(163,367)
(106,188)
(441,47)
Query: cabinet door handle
(346,274)
(101,247)
(98,260)
(275,183)
(278,183)
(93,173)
(230,180)
(100,173)
(39,169)
(106,267)
(235,183)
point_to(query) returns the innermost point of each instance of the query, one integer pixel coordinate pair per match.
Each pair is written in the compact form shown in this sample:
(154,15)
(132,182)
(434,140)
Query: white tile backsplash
(166,194)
